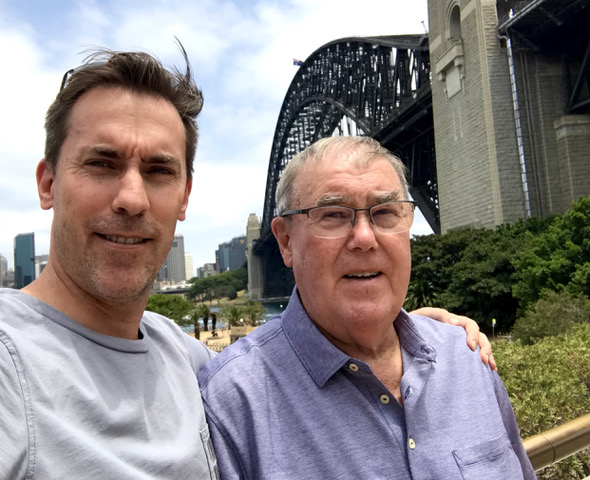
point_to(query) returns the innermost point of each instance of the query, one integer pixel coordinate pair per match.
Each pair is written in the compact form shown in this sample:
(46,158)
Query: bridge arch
(374,86)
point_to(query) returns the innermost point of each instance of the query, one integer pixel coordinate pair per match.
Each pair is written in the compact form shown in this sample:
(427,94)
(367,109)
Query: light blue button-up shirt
(284,403)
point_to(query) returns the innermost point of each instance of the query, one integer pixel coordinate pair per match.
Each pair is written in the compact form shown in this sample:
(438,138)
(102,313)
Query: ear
(280,229)
(45,179)
(183,207)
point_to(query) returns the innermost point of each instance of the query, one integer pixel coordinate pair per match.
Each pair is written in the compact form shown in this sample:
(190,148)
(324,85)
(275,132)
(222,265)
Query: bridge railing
(558,443)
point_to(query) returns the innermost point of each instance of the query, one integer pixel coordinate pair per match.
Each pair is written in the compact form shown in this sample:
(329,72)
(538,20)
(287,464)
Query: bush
(549,384)
(552,315)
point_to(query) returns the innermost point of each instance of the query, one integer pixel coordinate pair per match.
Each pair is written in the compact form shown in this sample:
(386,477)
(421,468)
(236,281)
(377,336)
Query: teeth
(123,240)
(363,275)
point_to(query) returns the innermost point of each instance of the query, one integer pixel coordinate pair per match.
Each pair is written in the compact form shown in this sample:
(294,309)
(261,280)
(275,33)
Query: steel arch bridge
(374,86)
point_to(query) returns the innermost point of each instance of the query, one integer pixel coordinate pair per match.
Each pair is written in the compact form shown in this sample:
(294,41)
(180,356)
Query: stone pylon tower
(508,145)
(481,181)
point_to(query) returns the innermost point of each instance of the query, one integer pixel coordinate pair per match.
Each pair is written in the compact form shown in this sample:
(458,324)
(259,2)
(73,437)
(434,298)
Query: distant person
(92,386)
(214,322)
(205,322)
(345,384)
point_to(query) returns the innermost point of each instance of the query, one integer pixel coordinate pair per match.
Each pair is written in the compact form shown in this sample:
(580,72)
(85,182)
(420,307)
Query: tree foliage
(558,259)
(174,307)
(222,285)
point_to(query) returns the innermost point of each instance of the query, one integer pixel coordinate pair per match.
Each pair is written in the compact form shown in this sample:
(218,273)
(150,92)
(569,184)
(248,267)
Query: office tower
(3,269)
(188,266)
(24,259)
(231,255)
(174,269)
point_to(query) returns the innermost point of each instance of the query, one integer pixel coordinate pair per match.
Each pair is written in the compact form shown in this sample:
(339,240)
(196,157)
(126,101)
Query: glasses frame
(306,211)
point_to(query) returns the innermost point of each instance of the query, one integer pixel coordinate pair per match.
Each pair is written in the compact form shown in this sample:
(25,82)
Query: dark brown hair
(136,71)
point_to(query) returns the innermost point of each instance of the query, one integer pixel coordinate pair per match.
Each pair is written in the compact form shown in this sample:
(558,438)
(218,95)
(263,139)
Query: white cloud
(241,52)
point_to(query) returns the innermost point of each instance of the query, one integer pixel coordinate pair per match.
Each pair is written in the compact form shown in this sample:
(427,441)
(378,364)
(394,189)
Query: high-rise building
(24,259)
(189,266)
(3,269)
(231,255)
(207,270)
(254,261)
(174,270)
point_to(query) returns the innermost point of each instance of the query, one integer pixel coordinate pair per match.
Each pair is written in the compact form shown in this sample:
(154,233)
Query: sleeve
(228,460)
(200,354)
(15,430)
(512,428)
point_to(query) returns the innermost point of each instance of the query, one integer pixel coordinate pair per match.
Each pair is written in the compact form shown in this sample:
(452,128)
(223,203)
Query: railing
(558,443)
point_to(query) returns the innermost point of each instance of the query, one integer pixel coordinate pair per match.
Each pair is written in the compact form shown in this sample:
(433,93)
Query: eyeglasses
(336,221)
(68,75)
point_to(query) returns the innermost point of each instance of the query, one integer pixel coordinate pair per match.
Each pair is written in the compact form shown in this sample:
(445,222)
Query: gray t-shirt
(78,404)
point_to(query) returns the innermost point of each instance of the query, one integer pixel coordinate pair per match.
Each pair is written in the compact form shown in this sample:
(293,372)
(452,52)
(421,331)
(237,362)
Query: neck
(381,352)
(113,318)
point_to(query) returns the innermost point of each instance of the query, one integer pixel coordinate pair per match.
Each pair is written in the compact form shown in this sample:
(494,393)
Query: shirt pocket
(209,453)
(491,460)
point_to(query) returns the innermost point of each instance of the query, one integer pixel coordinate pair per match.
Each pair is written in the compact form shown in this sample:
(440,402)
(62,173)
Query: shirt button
(384,399)
(411,443)
(353,367)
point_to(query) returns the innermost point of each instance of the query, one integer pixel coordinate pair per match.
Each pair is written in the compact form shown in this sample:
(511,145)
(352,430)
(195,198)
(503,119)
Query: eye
(330,214)
(160,170)
(98,163)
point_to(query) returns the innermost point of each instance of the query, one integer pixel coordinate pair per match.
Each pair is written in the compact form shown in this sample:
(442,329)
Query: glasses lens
(331,222)
(394,217)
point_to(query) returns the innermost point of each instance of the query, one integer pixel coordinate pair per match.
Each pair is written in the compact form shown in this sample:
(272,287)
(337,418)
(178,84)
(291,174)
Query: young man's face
(119,188)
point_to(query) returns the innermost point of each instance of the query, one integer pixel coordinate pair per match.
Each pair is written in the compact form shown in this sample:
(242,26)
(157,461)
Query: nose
(131,197)
(362,234)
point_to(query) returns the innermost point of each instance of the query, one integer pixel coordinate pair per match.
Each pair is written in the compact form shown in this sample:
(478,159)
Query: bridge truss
(374,86)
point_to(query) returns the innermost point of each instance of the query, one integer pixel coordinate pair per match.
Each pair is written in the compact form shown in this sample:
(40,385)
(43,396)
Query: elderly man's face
(118,190)
(354,285)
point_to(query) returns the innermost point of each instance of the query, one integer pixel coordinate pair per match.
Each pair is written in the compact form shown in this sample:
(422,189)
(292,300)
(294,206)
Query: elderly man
(93,387)
(345,384)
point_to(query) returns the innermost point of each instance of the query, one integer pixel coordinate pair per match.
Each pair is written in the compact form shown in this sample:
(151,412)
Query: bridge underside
(376,86)
(556,27)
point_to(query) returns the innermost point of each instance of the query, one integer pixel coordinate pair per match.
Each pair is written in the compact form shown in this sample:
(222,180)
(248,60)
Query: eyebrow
(108,152)
(330,199)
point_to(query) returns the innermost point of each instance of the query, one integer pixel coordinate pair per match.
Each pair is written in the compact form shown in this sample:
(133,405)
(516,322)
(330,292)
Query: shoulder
(169,335)
(249,353)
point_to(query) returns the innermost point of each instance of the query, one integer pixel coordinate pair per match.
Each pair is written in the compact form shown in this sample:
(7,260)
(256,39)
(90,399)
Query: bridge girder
(374,86)
(369,83)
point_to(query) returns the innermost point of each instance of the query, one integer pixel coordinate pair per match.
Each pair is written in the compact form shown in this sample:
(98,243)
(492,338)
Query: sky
(241,52)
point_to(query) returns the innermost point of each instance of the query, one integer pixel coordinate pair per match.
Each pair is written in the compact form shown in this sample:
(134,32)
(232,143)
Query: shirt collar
(322,359)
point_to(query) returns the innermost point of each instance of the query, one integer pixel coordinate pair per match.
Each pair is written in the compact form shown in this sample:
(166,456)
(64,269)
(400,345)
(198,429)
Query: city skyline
(244,71)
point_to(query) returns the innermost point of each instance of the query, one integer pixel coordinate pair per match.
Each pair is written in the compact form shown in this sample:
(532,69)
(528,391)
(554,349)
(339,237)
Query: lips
(363,275)
(123,240)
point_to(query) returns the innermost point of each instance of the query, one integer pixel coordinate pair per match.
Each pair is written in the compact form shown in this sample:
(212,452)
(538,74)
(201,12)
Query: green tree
(558,259)
(174,307)
(254,312)
(232,314)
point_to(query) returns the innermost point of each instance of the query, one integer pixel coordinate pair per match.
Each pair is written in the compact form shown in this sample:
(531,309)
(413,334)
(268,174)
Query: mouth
(363,275)
(123,240)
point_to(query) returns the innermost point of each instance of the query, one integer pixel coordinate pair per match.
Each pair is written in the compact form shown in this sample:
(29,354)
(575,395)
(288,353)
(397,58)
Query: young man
(346,384)
(92,386)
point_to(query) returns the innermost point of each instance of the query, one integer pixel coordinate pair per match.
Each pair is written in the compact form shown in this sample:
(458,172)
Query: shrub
(553,314)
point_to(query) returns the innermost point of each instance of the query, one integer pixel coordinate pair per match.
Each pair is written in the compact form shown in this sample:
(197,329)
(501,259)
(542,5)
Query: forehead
(357,175)
(124,119)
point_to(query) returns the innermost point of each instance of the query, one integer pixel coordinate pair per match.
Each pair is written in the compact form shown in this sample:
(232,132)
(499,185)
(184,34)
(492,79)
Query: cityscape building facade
(231,255)
(24,259)
(174,268)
